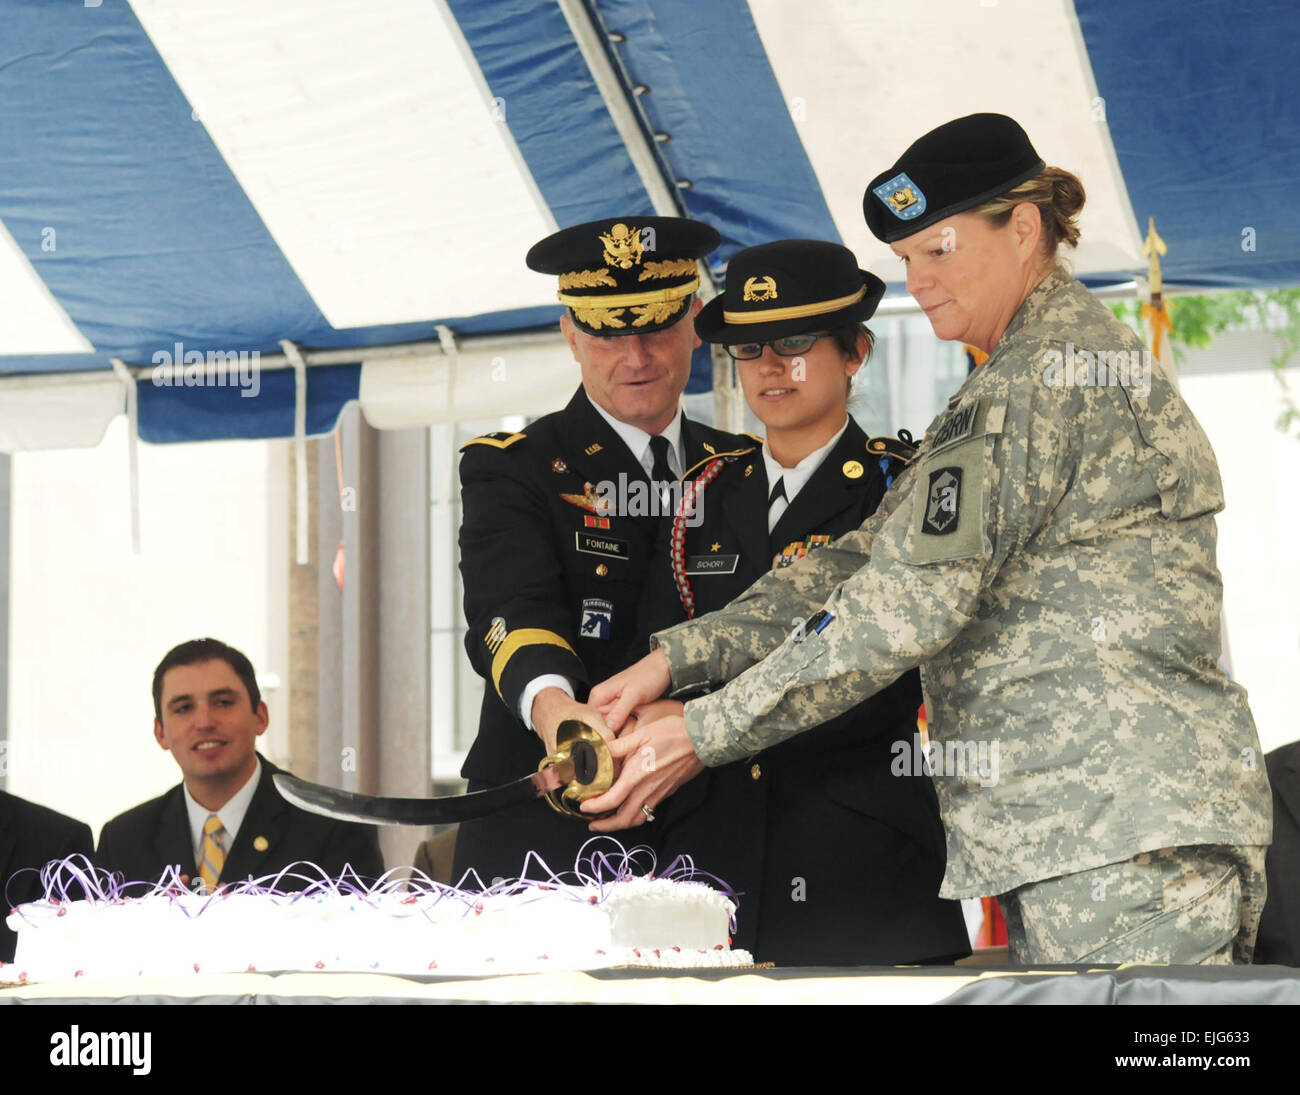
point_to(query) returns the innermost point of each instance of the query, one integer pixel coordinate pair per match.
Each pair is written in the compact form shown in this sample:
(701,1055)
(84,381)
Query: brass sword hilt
(583,763)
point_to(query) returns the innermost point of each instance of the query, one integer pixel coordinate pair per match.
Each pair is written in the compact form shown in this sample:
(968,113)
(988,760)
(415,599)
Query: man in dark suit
(561,521)
(31,836)
(1278,942)
(226,821)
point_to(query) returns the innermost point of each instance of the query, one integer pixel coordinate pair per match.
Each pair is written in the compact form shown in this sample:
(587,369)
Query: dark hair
(205,650)
(848,337)
(1059,196)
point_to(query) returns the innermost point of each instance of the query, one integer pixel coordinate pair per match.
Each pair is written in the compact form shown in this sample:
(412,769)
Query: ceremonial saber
(580,768)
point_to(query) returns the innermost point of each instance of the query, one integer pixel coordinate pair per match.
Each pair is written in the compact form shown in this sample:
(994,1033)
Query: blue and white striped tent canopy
(355,174)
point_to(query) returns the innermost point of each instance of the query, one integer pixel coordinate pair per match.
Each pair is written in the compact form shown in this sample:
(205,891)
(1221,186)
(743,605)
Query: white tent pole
(299,443)
(132,447)
(448,342)
(612,90)
(650,169)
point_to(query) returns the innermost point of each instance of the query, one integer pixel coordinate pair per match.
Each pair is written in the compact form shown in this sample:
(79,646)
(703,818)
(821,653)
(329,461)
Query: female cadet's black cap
(789,287)
(626,275)
(951,169)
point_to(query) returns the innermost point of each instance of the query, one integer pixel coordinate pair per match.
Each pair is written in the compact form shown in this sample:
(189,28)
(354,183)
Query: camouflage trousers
(1183,906)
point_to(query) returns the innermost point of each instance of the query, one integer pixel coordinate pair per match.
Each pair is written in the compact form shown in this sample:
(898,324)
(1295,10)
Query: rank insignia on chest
(796,550)
(942,502)
(591,500)
(597,618)
(594,522)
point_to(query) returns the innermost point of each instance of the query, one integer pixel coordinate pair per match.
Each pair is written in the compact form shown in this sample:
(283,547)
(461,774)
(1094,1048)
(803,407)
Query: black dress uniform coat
(143,842)
(1278,942)
(551,586)
(30,836)
(835,860)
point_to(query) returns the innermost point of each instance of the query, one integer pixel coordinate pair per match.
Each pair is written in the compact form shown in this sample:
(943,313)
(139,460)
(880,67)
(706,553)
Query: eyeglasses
(788,346)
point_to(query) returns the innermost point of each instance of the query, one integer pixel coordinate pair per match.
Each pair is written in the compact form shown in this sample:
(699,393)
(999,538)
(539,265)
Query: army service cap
(789,287)
(960,165)
(626,275)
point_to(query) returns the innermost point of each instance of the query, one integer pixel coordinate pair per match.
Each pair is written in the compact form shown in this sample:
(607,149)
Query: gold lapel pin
(852,469)
(260,843)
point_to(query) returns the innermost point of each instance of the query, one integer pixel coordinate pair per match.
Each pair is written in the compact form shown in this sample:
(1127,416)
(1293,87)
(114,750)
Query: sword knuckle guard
(583,765)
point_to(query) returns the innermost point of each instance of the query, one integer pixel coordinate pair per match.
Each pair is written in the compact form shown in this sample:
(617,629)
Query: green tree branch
(1198,320)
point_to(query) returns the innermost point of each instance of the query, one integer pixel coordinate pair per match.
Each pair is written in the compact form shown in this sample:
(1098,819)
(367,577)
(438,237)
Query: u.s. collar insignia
(622,246)
(901,196)
(709,448)
(763,288)
(589,500)
(591,450)
(749,470)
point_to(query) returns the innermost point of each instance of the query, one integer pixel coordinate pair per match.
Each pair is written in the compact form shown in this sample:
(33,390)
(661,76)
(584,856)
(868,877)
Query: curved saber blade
(374,810)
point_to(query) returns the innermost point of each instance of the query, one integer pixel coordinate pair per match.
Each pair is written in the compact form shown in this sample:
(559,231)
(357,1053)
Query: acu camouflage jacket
(1048,560)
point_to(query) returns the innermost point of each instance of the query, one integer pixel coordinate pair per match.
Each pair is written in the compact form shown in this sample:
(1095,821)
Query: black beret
(789,287)
(951,169)
(626,275)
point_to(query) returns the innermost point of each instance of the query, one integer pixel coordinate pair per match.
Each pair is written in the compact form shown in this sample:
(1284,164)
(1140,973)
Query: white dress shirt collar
(231,814)
(638,441)
(796,477)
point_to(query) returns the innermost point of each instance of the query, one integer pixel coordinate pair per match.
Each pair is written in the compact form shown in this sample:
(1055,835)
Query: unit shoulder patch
(499,440)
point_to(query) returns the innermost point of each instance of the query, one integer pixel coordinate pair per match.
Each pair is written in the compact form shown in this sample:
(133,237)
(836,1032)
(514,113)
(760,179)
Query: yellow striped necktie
(214,855)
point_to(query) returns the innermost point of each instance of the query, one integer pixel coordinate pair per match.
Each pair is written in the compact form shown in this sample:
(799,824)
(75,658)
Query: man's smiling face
(209,725)
(638,379)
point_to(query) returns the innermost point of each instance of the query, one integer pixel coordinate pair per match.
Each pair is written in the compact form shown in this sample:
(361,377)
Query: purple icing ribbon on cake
(602,863)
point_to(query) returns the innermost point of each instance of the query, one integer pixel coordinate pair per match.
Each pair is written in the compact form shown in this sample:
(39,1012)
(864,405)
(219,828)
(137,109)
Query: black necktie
(661,471)
(777,495)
